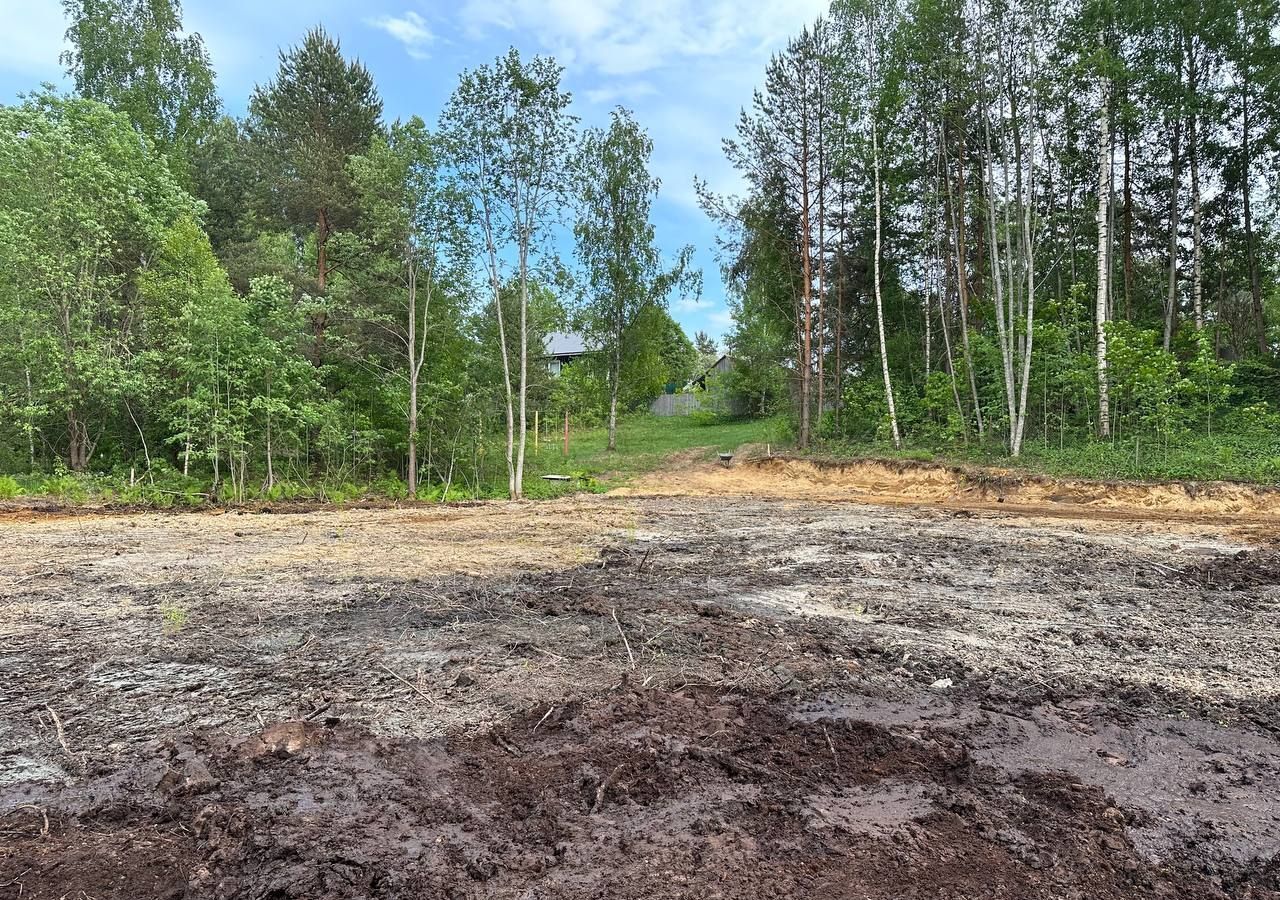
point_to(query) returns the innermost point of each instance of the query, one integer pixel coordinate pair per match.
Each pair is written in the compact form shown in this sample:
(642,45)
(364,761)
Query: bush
(704,417)
(391,487)
(9,488)
(64,487)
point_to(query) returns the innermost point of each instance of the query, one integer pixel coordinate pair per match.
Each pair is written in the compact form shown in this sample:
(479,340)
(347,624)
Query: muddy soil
(628,697)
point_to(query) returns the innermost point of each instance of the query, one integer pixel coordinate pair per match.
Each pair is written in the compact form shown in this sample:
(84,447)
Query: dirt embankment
(896,482)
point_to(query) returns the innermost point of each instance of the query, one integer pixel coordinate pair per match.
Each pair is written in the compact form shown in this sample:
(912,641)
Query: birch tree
(623,270)
(510,136)
(874,49)
(1105,164)
(411,212)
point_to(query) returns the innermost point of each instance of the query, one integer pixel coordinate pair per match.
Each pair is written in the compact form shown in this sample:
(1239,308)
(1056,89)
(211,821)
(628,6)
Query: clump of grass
(175,617)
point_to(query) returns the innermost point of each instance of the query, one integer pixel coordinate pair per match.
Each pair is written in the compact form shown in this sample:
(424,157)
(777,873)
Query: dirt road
(707,694)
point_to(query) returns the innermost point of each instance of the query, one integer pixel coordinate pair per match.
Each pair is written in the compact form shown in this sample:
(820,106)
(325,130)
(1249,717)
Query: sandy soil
(736,689)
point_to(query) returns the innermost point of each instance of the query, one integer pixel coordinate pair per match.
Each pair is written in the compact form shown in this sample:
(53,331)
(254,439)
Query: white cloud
(627,37)
(410,29)
(623,92)
(721,318)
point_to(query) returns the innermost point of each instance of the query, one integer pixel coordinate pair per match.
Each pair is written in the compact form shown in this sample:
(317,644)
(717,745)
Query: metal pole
(566,434)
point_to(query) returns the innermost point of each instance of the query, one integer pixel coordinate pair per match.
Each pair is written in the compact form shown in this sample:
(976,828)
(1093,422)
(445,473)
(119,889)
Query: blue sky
(684,66)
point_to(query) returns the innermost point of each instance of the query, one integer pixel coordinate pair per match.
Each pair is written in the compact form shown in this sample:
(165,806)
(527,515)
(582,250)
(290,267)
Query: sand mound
(912,482)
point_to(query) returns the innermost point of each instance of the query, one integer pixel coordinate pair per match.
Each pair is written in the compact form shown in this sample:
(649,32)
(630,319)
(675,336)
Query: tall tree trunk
(1171,301)
(77,442)
(1104,268)
(518,487)
(1028,246)
(822,248)
(495,285)
(320,320)
(839,335)
(884,353)
(31,426)
(1197,250)
(962,296)
(413,381)
(1127,240)
(1004,327)
(806,295)
(615,376)
(1255,280)
(271,472)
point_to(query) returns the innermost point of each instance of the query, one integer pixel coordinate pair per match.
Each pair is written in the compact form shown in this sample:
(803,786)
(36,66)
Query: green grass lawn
(644,443)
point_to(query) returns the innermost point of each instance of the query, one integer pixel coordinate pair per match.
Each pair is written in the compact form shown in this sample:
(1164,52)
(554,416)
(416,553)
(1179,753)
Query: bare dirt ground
(720,684)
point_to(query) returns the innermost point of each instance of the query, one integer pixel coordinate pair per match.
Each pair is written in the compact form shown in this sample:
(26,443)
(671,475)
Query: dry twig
(62,737)
(406,681)
(604,786)
(626,643)
(44,830)
(543,719)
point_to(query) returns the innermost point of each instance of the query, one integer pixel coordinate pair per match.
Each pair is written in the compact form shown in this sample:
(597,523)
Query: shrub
(64,487)
(9,488)
(391,487)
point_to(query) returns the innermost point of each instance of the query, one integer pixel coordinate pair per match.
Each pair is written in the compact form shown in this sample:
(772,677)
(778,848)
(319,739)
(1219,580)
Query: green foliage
(9,488)
(174,617)
(625,279)
(303,127)
(64,487)
(509,133)
(195,309)
(85,201)
(133,56)
(581,389)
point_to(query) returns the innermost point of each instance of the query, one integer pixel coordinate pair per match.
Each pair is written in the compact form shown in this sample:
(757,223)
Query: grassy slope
(644,443)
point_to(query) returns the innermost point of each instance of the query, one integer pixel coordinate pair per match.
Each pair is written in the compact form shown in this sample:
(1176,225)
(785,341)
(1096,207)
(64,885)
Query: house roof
(565,343)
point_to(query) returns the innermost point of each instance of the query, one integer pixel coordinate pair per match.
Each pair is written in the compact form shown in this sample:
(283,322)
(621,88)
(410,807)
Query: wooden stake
(536,432)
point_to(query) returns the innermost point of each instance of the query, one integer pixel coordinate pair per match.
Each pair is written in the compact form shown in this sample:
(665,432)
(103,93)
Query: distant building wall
(675,404)
(687,404)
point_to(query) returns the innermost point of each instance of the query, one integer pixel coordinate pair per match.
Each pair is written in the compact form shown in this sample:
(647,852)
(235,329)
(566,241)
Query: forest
(1017,229)
(1006,230)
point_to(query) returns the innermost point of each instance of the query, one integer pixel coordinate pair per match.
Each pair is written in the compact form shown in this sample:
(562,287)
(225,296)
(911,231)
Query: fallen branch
(543,719)
(604,786)
(62,736)
(409,683)
(44,831)
(626,643)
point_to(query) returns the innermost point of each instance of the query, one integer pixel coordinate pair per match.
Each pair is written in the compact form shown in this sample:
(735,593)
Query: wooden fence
(675,404)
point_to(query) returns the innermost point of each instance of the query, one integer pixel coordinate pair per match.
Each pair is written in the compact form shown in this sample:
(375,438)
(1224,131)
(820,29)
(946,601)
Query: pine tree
(318,112)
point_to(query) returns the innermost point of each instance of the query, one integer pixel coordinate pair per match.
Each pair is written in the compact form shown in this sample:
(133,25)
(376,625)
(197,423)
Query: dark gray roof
(565,343)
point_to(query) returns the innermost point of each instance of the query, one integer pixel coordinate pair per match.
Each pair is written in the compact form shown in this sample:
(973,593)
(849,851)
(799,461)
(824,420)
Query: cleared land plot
(640,696)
